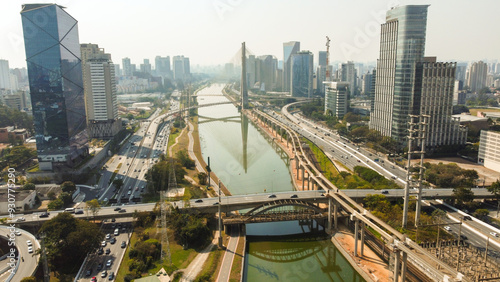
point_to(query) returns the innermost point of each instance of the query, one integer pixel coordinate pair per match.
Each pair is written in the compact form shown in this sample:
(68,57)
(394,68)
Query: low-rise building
(22,198)
(9,132)
(489,150)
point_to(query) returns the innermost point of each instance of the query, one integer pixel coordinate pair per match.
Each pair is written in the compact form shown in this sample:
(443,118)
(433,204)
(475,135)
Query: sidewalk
(196,265)
(227,261)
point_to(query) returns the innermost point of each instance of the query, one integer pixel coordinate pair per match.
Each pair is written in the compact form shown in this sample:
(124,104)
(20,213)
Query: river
(246,162)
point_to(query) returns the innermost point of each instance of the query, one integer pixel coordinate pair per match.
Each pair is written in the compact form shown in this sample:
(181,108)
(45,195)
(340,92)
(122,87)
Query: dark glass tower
(56,86)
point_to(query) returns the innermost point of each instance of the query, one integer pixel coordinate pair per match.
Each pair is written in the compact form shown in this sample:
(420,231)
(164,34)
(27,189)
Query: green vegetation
(14,117)
(327,167)
(392,214)
(93,206)
(189,230)
(68,187)
(69,240)
(15,156)
(183,157)
(376,180)
(449,175)
(209,271)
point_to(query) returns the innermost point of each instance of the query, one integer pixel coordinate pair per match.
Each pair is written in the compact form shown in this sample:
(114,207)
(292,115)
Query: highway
(29,261)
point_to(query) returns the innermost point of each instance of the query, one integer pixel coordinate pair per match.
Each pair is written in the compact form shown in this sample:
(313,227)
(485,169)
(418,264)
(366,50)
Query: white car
(103,244)
(29,243)
(447,228)
(494,234)
(30,250)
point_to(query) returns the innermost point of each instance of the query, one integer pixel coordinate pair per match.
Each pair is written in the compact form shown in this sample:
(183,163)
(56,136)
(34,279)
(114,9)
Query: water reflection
(306,256)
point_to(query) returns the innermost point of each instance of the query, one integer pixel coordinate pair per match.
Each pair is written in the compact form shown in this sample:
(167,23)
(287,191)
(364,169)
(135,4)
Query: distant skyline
(210,32)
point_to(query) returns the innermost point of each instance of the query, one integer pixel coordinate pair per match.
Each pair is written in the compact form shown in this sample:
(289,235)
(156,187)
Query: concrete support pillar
(303,179)
(356,227)
(335,216)
(329,214)
(362,238)
(281,134)
(404,262)
(396,266)
(308,183)
(297,165)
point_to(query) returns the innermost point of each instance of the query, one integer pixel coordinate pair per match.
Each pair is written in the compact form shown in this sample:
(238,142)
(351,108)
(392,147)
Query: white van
(70,210)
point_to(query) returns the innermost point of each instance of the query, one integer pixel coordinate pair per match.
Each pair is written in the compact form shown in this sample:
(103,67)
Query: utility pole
(459,239)
(46,270)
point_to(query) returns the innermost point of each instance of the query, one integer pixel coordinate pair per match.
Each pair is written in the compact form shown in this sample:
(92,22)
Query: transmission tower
(414,174)
(172,183)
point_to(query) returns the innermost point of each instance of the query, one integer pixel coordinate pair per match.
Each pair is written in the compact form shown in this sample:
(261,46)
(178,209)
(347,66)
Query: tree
(118,183)
(65,198)
(463,195)
(130,116)
(183,157)
(93,206)
(438,215)
(56,204)
(68,238)
(29,279)
(495,190)
(51,195)
(68,187)
(29,186)
(481,213)
(202,178)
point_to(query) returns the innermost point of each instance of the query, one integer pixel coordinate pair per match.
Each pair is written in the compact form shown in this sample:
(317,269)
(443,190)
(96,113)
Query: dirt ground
(374,266)
(489,175)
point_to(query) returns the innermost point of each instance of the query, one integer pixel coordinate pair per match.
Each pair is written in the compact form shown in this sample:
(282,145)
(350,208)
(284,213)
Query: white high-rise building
(476,76)
(4,74)
(337,98)
(100,92)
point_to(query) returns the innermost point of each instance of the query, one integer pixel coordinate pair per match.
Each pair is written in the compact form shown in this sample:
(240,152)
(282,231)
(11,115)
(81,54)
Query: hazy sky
(211,31)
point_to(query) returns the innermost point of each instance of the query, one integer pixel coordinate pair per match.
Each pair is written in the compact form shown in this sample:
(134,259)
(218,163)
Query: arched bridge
(279,210)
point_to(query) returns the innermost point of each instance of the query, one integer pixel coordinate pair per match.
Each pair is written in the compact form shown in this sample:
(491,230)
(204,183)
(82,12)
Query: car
(99,266)
(123,245)
(108,251)
(18,233)
(393,177)
(494,234)
(463,237)
(272,196)
(122,210)
(44,214)
(447,228)
(129,192)
(20,219)
(108,236)
(467,217)
(111,276)
(88,272)
(30,250)
(103,244)
(28,242)
(104,274)
(93,279)
(100,251)
(385,192)
(109,262)
(117,209)
(294,196)
(114,219)
(199,201)
(113,240)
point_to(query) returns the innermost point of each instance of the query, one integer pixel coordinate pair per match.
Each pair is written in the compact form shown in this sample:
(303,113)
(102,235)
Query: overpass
(239,202)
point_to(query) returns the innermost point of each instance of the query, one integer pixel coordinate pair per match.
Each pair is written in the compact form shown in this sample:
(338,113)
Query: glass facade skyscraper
(56,86)
(302,74)
(402,45)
